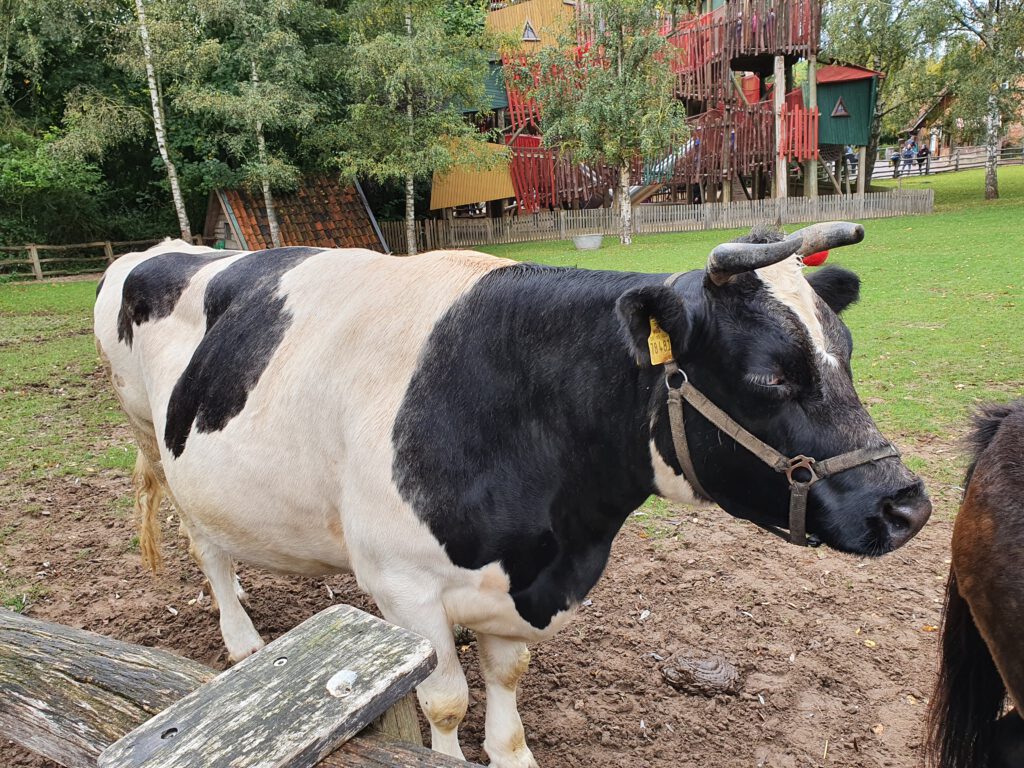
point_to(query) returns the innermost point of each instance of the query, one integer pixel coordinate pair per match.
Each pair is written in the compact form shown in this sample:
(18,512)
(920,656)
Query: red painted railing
(799,133)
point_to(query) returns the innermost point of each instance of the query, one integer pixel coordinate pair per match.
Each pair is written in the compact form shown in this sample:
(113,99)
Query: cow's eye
(772,383)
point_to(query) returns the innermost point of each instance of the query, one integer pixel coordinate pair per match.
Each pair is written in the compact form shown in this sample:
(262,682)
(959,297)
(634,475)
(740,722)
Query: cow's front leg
(444,695)
(503,662)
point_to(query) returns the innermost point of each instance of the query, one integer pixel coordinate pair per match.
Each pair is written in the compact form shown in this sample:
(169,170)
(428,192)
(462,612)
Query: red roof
(837,73)
(320,212)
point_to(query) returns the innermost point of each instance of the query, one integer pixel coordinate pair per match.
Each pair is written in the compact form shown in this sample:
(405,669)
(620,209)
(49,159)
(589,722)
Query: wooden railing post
(37,268)
(108,249)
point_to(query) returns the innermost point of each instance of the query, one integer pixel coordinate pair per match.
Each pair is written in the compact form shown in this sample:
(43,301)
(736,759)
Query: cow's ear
(837,287)
(635,309)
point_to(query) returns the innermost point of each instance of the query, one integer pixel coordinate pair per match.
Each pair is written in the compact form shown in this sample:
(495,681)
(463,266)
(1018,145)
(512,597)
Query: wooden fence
(957,159)
(560,225)
(28,261)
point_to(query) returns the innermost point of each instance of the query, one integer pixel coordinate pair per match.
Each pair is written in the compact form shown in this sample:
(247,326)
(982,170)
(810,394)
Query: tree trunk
(410,216)
(872,150)
(625,206)
(992,130)
(158,125)
(268,196)
(7,50)
(410,200)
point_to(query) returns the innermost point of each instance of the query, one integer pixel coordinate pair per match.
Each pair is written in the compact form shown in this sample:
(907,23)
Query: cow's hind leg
(240,636)
(503,662)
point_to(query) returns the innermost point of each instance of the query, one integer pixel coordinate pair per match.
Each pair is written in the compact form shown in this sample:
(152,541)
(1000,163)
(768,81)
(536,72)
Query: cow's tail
(149,492)
(969,694)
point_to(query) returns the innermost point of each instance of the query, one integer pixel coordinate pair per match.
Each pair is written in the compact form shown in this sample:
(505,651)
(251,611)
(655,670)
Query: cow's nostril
(905,514)
(898,517)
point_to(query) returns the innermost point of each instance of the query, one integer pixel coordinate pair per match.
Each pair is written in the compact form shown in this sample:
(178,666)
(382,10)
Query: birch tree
(612,99)
(985,65)
(252,73)
(159,123)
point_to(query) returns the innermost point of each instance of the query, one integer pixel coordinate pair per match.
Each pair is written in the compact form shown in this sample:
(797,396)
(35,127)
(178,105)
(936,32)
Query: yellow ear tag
(660,344)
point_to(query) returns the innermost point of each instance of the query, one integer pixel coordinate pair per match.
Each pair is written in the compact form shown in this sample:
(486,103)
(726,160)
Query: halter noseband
(680,389)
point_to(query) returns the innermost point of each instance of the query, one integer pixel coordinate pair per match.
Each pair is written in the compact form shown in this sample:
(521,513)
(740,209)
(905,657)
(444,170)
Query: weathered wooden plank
(400,723)
(66,693)
(288,705)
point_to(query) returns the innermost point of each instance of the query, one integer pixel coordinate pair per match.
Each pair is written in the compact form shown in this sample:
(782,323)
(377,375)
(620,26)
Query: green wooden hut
(846,104)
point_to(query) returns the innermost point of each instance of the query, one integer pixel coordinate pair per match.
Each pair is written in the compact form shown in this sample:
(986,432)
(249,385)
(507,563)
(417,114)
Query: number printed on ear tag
(660,344)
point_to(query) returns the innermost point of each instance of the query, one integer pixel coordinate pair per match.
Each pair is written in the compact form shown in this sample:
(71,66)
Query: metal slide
(639,193)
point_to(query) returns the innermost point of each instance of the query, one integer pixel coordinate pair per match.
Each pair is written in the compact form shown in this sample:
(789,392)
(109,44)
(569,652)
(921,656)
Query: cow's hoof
(517,758)
(244,650)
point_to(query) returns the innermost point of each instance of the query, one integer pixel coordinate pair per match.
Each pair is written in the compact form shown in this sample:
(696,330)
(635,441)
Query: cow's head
(767,346)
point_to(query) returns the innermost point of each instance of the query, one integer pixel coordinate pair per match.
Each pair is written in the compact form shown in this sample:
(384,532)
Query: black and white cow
(467,434)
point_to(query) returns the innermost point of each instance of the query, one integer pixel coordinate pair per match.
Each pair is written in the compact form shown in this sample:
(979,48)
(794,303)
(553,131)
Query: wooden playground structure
(754,133)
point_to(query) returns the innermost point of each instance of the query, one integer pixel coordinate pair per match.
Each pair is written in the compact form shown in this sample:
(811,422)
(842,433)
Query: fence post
(561,224)
(108,249)
(956,159)
(37,268)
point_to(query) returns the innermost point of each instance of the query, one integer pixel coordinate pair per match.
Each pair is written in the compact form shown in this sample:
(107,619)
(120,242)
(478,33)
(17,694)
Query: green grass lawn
(54,415)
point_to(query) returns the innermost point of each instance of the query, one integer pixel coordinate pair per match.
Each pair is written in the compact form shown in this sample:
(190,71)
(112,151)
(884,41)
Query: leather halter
(680,389)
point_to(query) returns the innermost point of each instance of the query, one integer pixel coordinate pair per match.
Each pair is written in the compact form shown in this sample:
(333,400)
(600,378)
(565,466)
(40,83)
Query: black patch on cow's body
(523,435)
(152,289)
(246,320)
(99,285)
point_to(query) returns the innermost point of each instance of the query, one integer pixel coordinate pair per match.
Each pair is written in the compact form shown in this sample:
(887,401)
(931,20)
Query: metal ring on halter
(669,374)
(801,462)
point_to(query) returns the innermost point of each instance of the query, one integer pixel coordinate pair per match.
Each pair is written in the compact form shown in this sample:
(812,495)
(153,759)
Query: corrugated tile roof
(320,212)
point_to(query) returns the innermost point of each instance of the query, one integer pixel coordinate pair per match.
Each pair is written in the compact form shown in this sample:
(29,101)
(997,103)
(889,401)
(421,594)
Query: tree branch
(960,19)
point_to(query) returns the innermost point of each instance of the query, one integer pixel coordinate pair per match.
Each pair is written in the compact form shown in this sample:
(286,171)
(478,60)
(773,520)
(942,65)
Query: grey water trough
(587,242)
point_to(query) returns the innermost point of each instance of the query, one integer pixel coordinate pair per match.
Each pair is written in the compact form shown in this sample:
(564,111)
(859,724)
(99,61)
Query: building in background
(321,212)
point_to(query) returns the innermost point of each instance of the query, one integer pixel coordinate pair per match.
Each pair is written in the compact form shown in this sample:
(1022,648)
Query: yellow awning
(464,184)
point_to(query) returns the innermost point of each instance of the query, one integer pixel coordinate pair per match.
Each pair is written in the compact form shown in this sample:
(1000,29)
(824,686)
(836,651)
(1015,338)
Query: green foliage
(879,34)
(914,87)
(984,59)
(242,67)
(611,100)
(45,196)
(408,86)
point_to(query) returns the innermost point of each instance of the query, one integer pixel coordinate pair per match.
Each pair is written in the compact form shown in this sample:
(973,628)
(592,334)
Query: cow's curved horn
(828,234)
(730,259)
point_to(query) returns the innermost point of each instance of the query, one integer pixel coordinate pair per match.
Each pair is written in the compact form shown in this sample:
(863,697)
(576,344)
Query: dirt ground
(837,652)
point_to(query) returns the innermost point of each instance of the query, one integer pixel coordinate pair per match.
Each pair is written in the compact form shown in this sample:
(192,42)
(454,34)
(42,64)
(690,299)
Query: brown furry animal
(982,651)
